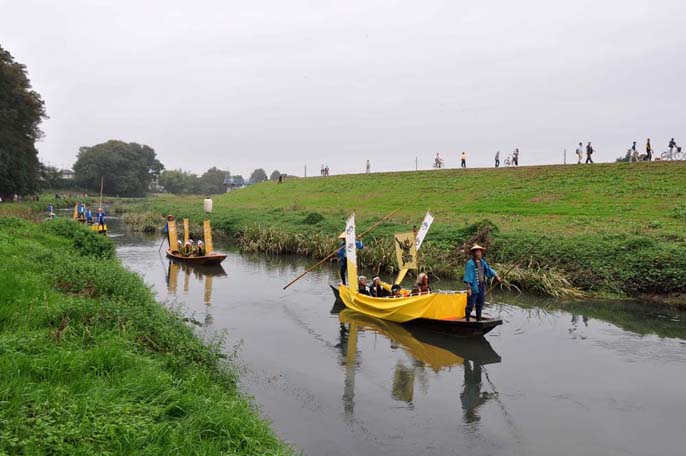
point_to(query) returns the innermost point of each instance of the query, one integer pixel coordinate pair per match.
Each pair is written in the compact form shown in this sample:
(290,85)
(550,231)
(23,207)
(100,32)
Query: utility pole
(565,156)
(416,163)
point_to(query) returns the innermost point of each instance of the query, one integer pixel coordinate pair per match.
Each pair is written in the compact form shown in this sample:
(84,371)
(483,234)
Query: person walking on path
(497,159)
(515,157)
(463,160)
(368,167)
(589,153)
(649,151)
(633,153)
(475,274)
(579,153)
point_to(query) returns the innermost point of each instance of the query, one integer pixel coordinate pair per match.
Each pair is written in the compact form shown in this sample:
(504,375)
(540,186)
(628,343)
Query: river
(556,378)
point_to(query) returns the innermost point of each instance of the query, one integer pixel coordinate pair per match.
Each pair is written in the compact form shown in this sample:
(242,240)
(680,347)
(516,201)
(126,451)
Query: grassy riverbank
(610,229)
(90,363)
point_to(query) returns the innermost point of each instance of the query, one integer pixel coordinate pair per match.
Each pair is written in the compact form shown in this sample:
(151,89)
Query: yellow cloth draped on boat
(436,357)
(433,306)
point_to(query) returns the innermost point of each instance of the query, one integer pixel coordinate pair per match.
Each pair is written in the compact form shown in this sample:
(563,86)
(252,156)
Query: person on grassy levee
(497,159)
(463,160)
(589,153)
(377,290)
(476,272)
(362,287)
(421,287)
(342,257)
(649,151)
(579,153)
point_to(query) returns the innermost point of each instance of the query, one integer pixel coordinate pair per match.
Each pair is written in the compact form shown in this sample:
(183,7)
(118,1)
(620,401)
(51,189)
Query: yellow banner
(406,250)
(208,237)
(186,232)
(76,211)
(173,236)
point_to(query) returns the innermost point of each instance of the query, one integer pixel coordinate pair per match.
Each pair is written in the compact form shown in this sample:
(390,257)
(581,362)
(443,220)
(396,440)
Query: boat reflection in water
(427,349)
(206,272)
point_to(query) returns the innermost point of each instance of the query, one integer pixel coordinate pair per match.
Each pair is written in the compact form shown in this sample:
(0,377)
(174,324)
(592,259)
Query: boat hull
(453,323)
(212,258)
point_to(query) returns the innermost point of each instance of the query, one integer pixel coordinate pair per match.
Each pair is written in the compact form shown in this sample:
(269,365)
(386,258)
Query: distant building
(66,174)
(155,186)
(233,183)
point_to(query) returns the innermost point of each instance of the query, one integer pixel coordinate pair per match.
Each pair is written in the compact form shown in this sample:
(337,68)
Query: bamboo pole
(102,181)
(367,231)
(521,257)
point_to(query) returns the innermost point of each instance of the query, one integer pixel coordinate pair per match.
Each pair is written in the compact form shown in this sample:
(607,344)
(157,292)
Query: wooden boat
(442,312)
(211,258)
(100,229)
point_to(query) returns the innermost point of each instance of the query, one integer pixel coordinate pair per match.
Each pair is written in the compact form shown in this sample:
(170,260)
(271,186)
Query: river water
(555,379)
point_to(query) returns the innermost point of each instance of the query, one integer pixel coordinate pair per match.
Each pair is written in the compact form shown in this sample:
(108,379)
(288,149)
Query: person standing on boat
(476,272)
(82,211)
(89,216)
(165,230)
(343,259)
(101,217)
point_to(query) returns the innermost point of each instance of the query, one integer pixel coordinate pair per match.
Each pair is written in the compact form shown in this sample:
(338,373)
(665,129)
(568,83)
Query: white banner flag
(426,224)
(351,252)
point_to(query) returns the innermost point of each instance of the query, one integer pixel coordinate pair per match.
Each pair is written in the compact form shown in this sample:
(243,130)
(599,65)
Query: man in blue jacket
(343,259)
(476,272)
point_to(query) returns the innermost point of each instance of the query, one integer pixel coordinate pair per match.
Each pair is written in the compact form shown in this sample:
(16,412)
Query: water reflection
(426,350)
(204,273)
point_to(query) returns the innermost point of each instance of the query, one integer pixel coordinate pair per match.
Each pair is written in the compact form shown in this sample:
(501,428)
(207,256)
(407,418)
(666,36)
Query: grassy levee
(614,229)
(90,363)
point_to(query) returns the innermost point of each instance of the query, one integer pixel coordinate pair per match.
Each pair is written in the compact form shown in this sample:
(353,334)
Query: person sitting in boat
(201,248)
(362,287)
(179,246)
(188,247)
(342,258)
(377,290)
(101,217)
(476,272)
(422,285)
(397,291)
(89,216)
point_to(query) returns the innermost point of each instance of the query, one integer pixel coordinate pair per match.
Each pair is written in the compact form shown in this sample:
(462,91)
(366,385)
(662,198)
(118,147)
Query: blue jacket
(89,215)
(341,251)
(470,274)
(101,217)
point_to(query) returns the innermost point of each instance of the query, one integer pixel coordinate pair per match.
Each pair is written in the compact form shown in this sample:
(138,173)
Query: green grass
(90,363)
(610,229)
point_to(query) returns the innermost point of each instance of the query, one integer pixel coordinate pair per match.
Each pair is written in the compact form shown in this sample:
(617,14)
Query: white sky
(284,84)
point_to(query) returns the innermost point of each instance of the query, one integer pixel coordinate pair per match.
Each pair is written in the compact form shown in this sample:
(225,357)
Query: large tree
(257,176)
(178,181)
(213,180)
(21,112)
(128,168)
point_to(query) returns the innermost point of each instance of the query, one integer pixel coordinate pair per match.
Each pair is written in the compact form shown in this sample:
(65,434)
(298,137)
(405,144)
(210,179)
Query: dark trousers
(476,299)
(588,159)
(497,163)
(463,163)
(344,271)
(649,155)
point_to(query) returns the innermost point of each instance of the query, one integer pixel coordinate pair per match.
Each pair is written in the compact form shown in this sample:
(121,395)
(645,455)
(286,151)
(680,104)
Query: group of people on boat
(188,248)
(84,214)
(476,275)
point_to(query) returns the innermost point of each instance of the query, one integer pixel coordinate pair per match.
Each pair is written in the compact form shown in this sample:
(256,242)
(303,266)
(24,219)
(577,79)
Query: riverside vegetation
(90,363)
(608,229)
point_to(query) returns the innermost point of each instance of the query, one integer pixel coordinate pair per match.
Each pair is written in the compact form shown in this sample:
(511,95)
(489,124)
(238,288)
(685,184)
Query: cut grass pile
(90,363)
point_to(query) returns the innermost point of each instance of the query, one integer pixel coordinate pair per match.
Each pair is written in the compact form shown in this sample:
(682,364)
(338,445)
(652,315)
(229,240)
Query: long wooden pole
(102,181)
(367,231)
(521,257)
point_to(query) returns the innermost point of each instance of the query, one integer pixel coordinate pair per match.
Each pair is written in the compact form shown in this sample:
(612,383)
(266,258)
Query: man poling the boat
(101,217)
(476,272)
(342,257)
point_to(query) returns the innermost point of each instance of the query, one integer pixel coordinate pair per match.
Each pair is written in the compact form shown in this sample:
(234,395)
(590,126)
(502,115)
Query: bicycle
(671,154)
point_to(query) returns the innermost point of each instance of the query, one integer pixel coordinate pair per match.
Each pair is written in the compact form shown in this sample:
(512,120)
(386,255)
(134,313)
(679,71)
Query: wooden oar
(502,277)
(312,268)
(161,244)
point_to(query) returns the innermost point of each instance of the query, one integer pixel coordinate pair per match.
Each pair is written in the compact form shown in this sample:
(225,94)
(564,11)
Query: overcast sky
(284,84)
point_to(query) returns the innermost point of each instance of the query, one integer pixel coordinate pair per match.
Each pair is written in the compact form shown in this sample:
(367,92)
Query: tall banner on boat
(421,234)
(207,231)
(173,236)
(185,232)
(351,253)
(406,250)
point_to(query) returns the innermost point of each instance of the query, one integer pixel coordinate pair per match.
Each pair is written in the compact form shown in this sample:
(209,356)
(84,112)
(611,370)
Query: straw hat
(477,247)
(342,235)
